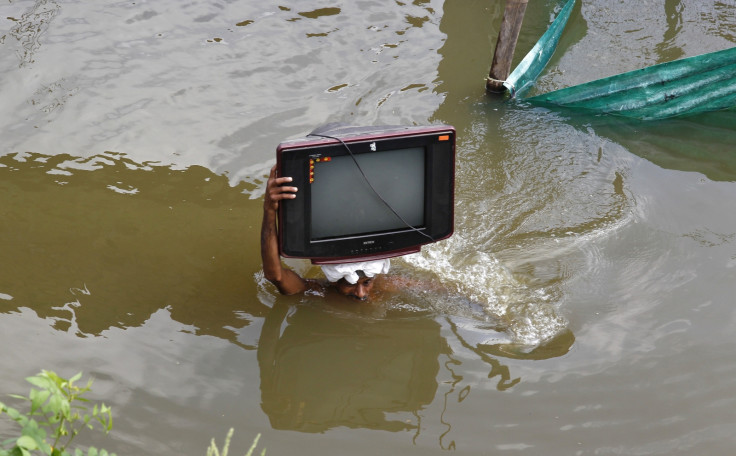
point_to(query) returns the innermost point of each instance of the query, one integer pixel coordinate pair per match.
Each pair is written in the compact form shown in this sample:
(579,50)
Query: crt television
(366,193)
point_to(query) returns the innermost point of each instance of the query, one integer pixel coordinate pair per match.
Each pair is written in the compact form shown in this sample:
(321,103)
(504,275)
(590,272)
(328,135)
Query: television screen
(354,208)
(367,192)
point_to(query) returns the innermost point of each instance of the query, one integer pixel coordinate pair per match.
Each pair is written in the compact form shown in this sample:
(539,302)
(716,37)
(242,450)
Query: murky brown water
(589,286)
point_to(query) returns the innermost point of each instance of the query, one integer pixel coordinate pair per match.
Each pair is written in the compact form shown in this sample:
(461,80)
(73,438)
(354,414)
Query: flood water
(586,302)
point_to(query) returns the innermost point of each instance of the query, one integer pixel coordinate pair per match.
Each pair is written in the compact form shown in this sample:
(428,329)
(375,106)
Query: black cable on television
(418,230)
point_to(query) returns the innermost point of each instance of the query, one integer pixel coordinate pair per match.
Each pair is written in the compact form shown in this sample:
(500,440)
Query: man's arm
(287,281)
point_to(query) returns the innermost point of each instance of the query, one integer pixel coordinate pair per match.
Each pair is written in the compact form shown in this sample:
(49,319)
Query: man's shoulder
(395,283)
(315,285)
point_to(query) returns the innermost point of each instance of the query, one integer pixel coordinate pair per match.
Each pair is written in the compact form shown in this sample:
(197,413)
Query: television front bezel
(293,159)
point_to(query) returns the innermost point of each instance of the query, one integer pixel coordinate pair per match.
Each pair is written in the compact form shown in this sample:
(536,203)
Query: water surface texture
(583,306)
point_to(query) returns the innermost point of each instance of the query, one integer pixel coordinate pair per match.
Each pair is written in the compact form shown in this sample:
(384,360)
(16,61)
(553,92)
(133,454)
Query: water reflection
(326,364)
(329,369)
(29,28)
(106,242)
(668,49)
(558,346)
(700,143)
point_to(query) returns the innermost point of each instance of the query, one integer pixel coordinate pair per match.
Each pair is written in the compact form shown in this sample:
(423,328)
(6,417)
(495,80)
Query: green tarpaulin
(688,86)
(524,75)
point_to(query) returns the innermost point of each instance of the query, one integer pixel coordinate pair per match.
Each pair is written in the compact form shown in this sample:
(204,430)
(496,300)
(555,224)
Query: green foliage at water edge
(214,451)
(55,418)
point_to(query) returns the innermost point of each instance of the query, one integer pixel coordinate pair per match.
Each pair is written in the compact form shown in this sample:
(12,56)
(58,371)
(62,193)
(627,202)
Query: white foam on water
(528,315)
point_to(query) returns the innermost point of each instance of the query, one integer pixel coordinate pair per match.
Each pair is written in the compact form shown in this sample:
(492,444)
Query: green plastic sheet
(687,86)
(527,71)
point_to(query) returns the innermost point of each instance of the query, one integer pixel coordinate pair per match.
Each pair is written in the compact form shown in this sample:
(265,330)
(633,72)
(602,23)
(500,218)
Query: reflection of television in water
(367,192)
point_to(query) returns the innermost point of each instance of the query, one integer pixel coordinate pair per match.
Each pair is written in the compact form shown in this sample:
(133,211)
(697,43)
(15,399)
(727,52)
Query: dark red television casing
(431,171)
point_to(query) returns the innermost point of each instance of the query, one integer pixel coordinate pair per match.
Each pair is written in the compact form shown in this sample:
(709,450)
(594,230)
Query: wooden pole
(513,16)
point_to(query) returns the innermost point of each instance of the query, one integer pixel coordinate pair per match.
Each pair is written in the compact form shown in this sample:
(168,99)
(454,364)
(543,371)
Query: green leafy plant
(55,418)
(213,451)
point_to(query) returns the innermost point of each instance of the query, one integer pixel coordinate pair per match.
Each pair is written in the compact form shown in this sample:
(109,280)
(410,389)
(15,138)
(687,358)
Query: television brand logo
(373,146)
(368,242)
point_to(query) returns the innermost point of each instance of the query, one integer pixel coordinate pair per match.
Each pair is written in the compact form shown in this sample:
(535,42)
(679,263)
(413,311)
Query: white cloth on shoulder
(349,271)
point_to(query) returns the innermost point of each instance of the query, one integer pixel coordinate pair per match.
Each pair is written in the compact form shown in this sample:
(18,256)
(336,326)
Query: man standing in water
(355,280)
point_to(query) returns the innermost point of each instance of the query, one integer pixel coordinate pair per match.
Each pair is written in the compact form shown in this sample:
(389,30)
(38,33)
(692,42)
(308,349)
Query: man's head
(355,280)
(358,290)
